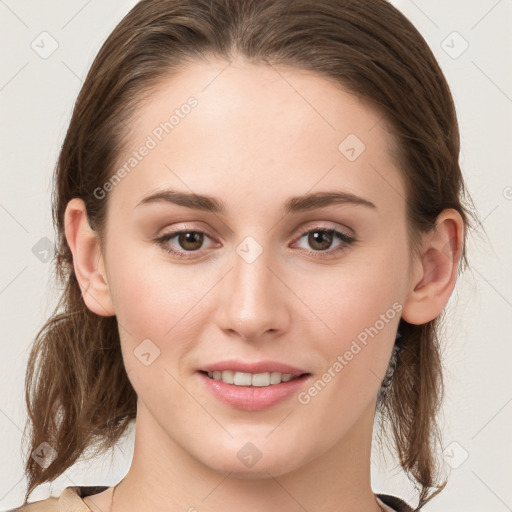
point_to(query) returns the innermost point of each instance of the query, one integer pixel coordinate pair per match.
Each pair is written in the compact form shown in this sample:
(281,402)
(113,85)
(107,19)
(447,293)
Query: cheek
(155,310)
(152,296)
(354,359)
(159,302)
(360,307)
(354,297)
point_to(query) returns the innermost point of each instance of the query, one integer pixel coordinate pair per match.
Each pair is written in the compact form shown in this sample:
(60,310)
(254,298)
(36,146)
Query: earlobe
(87,259)
(436,269)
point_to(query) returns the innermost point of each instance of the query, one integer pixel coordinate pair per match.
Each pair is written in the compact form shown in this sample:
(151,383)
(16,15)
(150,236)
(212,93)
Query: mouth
(238,378)
(253,386)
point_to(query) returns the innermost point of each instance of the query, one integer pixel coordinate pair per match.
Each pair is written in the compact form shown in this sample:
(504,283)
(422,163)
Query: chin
(266,462)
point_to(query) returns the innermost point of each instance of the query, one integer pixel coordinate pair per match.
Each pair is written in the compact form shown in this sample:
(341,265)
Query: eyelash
(340,235)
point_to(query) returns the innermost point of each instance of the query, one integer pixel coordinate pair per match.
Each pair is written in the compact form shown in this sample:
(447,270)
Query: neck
(165,477)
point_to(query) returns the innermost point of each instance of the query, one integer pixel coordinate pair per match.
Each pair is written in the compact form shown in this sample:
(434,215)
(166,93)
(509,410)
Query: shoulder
(70,499)
(47,505)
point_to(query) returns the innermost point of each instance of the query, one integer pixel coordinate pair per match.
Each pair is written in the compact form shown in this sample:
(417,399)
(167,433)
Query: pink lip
(237,365)
(252,398)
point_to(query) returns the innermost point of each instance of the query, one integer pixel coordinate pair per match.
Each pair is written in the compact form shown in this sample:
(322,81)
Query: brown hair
(77,391)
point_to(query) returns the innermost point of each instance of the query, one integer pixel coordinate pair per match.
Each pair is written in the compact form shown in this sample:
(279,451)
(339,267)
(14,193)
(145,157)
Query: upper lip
(252,367)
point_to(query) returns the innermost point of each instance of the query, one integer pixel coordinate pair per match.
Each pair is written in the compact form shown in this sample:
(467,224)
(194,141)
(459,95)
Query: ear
(87,259)
(435,270)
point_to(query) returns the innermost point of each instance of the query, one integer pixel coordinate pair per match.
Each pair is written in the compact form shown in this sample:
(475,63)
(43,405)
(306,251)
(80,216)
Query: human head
(352,45)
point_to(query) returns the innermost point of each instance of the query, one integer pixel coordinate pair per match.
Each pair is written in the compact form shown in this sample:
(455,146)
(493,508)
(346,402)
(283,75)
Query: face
(262,284)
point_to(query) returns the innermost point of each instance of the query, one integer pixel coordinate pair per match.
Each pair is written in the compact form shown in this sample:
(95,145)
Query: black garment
(397,503)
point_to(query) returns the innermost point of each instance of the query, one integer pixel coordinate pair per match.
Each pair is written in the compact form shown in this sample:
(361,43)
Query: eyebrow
(292,205)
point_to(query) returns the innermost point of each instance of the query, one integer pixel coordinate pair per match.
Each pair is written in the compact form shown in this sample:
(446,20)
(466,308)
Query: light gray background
(37,92)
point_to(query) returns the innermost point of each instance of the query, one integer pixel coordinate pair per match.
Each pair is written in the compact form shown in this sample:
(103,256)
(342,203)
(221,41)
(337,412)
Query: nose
(254,300)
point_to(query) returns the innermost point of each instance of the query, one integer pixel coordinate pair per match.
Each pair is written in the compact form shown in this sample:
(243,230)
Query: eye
(190,241)
(321,238)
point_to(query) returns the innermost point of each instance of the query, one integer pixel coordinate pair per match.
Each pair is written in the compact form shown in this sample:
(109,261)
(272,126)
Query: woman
(261,217)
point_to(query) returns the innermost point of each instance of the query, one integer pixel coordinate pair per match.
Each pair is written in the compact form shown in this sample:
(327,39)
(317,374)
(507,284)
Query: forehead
(231,129)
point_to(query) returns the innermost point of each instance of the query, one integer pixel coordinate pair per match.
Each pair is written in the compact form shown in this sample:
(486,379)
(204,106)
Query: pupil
(191,237)
(316,235)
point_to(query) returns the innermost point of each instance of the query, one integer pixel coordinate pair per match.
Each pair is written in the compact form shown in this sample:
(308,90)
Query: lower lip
(253,398)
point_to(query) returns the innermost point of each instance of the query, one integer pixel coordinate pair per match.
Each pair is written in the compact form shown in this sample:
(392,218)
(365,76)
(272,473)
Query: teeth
(250,379)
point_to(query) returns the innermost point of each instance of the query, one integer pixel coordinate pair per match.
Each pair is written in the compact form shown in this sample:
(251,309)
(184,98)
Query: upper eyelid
(320,225)
(317,225)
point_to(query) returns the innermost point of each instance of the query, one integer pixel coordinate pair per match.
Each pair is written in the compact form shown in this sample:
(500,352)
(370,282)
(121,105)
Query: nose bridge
(254,303)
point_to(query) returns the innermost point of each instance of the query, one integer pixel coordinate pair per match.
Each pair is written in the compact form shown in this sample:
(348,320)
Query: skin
(258,136)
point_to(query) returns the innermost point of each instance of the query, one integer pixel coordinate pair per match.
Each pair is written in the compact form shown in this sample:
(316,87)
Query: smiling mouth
(252,379)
